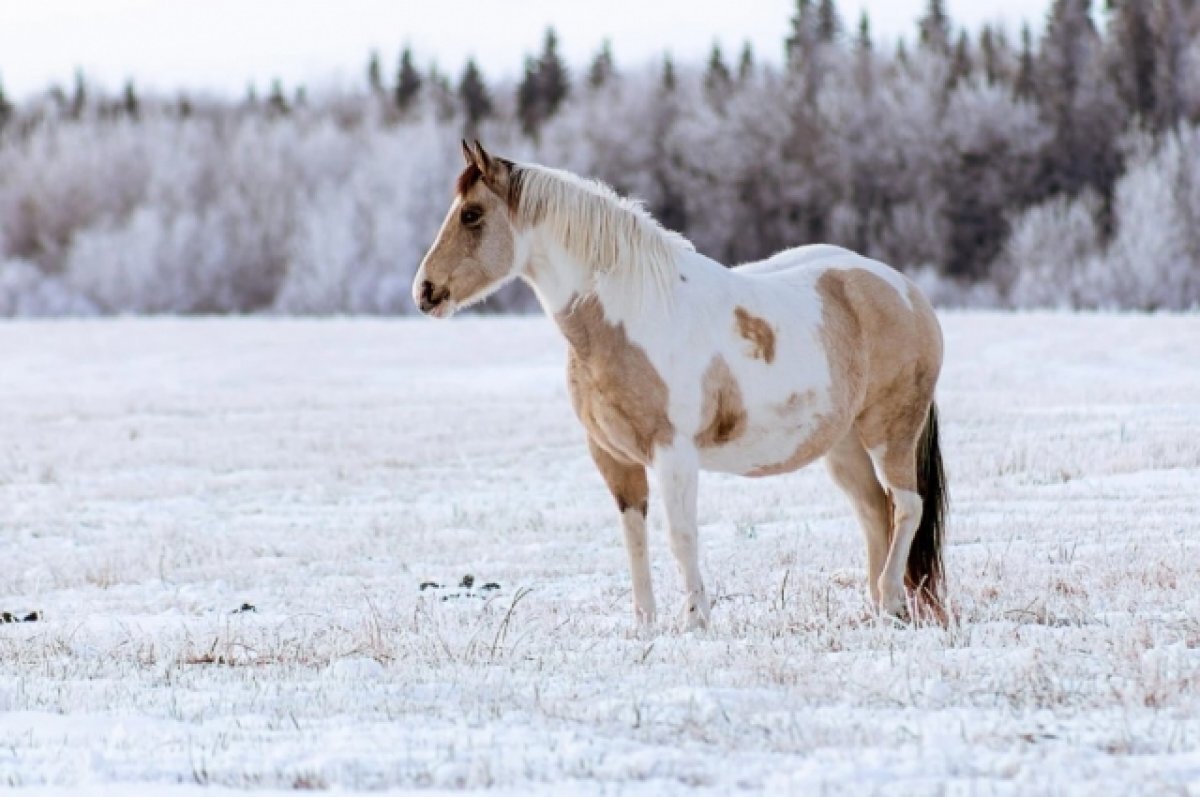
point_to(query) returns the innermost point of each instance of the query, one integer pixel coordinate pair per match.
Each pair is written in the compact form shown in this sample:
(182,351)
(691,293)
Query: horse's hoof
(644,620)
(694,616)
(894,606)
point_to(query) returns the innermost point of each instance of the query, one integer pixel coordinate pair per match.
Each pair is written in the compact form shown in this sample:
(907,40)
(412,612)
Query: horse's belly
(771,445)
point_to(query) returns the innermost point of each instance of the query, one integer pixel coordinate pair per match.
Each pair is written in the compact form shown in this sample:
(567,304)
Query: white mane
(625,248)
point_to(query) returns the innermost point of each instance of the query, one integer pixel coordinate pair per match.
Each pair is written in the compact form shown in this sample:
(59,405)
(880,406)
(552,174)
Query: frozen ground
(157,475)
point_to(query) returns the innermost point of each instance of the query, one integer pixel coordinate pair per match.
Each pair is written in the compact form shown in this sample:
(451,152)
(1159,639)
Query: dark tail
(924,572)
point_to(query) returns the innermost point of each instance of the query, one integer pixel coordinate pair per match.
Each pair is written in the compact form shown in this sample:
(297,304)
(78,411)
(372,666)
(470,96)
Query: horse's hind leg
(892,447)
(852,471)
(628,485)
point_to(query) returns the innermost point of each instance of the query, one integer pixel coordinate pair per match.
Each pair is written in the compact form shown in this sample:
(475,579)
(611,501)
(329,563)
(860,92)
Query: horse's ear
(495,170)
(468,154)
(482,159)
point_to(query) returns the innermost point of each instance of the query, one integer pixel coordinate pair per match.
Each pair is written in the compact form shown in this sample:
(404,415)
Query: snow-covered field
(156,475)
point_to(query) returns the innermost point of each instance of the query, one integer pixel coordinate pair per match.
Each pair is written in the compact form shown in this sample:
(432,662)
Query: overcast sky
(224,45)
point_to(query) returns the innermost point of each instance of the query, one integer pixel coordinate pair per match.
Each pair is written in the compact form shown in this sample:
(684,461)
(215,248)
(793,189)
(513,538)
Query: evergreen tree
(863,42)
(1079,103)
(829,22)
(717,80)
(408,82)
(1024,86)
(602,67)
(79,97)
(529,99)
(544,86)
(444,100)
(669,81)
(374,74)
(1132,60)
(864,52)
(276,101)
(553,84)
(960,62)
(129,101)
(934,26)
(803,38)
(1171,44)
(6,108)
(989,53)
(746,63)
(474,96)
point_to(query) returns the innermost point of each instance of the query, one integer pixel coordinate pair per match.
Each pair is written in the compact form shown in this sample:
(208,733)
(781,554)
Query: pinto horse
(678,364)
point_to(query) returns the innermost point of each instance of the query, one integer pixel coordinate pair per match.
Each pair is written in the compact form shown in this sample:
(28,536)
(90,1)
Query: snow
(159,474)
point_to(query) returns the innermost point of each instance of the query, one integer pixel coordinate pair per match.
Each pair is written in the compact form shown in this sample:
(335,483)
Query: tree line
(1061,169)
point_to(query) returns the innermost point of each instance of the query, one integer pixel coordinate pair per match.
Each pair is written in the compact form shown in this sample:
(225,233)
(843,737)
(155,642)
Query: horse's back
(796,257)
(806,263)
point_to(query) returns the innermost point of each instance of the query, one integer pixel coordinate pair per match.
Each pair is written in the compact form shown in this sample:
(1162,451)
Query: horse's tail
(925,573)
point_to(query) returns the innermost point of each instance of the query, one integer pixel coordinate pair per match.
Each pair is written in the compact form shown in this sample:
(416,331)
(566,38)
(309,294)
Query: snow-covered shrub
(27,292)
(1052,251)
(1154,260)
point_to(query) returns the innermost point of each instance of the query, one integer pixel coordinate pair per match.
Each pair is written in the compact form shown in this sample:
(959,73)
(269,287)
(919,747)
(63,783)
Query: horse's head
(476,251)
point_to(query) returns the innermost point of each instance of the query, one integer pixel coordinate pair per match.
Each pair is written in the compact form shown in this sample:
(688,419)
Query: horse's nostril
(427,290)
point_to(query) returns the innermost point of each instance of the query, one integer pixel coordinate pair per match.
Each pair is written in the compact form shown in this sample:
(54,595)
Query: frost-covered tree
(804,35)
(717,80)
(960,62)
(979,168)
(934,27)
(829,22)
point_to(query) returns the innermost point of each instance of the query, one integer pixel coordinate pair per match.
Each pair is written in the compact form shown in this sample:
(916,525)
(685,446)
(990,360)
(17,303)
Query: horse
(678,364)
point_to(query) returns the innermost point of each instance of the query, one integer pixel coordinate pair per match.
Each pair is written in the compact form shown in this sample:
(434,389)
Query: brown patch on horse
(467,180)
(616,391)
(797,403)
(758,332)
(884,360)
(627,483)
(722,413)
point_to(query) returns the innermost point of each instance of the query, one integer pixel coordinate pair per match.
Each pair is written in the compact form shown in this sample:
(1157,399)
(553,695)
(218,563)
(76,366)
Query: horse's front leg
(627,483)
(678,473)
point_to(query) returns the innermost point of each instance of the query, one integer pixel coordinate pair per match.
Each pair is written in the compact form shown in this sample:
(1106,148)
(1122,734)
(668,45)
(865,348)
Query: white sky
(223,45)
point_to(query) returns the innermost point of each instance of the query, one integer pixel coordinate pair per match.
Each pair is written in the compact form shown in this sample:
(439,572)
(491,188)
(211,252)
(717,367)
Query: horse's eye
(471,216)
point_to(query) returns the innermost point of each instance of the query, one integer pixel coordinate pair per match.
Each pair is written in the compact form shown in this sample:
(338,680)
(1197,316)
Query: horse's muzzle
(431,298)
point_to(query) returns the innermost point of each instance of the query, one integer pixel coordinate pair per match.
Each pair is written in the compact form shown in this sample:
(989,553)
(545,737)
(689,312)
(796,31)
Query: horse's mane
(626,249)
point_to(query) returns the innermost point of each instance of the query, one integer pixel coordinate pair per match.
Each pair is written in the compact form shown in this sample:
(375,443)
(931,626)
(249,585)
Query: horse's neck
(557,279)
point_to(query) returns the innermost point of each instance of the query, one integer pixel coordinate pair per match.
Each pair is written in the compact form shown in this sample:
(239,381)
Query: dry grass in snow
(156,475)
